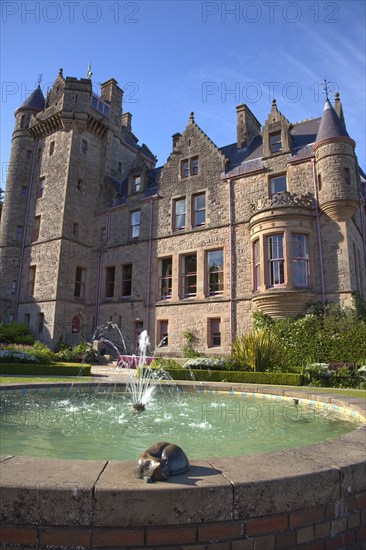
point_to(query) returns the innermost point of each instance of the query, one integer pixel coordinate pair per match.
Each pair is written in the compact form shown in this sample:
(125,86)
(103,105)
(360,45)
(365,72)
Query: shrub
(81,352)
(165,364)
(259,350)
(326,334)
(211,363)
(191,340)
(45,370)
(40,351)
(11,356)
(282,379)
(17,333)
(334,375)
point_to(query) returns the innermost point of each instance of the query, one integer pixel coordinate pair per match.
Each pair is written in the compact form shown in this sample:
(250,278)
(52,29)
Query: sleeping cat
(160,461)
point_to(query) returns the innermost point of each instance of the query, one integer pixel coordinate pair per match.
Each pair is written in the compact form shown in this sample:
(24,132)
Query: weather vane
(39,79)
(326,88)
(89,74)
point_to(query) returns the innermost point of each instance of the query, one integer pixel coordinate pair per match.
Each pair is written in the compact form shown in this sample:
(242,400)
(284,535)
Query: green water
(102,425)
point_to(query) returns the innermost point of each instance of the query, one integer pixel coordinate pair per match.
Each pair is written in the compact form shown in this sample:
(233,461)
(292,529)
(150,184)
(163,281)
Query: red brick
(322,530)
(305,534)
(224,531)
(353,520)
(220,545)
(361,533)
(244,544)
(65,537)
(360,501)
(18,535)
(341,541)
(270,524)
(318,545)
(301,518)
(265,543)
(119,537)
(286,540)
(179,535)
(339,526)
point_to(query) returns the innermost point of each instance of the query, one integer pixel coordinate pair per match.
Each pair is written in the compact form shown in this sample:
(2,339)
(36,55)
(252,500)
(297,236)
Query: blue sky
(175,57)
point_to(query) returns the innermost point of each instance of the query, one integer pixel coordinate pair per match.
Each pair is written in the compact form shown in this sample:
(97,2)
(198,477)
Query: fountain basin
(282,499)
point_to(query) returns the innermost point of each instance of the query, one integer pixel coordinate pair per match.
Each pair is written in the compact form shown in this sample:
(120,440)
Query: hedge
(45,370)
(275,378)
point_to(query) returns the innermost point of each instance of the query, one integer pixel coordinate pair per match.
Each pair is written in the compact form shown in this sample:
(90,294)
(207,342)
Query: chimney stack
(247,126)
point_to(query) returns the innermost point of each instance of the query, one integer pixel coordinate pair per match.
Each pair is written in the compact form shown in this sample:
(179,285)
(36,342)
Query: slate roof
(35,101)
(245,160)
(331,125)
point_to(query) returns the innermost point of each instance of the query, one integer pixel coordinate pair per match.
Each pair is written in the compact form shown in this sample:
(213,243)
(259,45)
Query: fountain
(277,494)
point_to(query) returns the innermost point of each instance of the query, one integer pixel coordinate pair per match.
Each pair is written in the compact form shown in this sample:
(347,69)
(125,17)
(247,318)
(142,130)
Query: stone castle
(93,232)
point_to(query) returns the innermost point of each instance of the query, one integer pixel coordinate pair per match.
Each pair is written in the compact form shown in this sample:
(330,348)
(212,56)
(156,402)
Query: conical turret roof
(331,126)
(35,101)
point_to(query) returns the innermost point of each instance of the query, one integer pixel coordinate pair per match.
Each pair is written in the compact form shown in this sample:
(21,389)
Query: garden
(326,347)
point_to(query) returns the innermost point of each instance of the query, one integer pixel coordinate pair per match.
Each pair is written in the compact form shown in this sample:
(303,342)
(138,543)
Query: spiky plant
(259,350)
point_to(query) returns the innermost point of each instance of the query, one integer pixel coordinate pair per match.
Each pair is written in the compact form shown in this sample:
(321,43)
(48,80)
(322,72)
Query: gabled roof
(249,159)
(35,101)
(331,125)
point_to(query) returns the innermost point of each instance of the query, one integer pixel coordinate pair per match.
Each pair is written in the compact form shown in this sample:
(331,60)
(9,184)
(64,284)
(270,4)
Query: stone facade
(92,232)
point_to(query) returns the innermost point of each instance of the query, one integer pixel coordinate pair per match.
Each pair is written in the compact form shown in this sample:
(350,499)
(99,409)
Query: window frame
(126,281)
(110,282)
(196,211)
(136,184)
(36,228)
(163,333)
(41,187)
(272,184)
(274,261)
(256,265)
(214,338)
(177,215)
(163,278)
(135,228)
(80,283)
(187,275)
(273,144)
(304,260)
(31,282)
(211,275)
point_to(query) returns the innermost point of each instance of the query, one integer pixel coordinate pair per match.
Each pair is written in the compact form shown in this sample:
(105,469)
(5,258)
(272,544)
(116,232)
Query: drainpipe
(318,230)
(100,267)
(231,319)
(26,217)
(149,269)
(363,230)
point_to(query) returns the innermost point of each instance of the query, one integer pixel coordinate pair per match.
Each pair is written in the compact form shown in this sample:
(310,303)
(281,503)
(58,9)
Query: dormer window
(277,184)
(137,184)
(275,143)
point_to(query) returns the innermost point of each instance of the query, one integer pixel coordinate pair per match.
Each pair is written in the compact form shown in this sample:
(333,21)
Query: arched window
(76,325)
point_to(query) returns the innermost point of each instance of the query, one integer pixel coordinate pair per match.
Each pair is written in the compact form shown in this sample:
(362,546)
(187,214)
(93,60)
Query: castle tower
(17,193)
(336,167)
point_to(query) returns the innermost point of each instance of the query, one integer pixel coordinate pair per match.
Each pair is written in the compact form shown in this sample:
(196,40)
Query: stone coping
(42,491)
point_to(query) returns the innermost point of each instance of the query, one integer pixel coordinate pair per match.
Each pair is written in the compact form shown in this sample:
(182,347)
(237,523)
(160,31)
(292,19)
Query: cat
(160,461)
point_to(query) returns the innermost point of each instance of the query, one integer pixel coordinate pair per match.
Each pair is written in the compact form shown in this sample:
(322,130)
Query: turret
(335,166)
(13,223)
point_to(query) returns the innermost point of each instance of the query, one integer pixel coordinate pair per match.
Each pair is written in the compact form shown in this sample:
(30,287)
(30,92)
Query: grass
(40,379)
